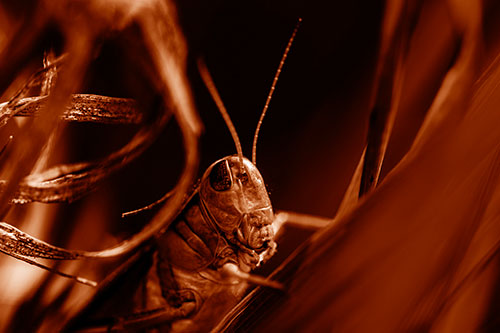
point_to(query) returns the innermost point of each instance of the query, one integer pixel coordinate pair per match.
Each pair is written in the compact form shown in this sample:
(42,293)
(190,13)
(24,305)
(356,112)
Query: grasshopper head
(235,198)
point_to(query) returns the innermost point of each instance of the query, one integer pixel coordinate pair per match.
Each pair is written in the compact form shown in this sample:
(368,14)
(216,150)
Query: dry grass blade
(22,246)
(14,241)
(351,195)
(27,260)
(17,102)
(84,108)
(396,32)
(388,81)
(51,76)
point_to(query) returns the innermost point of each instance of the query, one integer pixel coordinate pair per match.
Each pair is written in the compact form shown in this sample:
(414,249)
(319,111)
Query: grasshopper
(201,264)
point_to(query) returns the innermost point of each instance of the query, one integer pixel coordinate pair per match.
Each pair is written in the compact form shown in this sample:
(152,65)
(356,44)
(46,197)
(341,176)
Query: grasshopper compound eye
(220,176)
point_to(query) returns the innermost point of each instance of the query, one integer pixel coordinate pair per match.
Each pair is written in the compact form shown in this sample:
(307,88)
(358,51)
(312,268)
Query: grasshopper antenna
(209,83)
(165,197)
(150,206)
(273,86)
